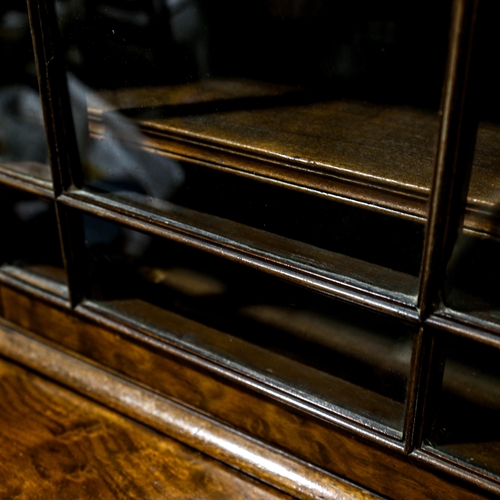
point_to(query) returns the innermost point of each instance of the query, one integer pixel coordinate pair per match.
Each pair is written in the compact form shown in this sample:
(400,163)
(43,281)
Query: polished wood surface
(55,444)
(231,400)
(378,159)
(382,156)
(198,431)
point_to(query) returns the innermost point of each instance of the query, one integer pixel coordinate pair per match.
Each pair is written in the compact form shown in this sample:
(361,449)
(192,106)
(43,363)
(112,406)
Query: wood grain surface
(57,445)
(245,454)
(212,392)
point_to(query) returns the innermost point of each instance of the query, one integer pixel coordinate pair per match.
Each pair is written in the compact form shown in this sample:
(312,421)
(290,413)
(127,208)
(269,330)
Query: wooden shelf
(374,155)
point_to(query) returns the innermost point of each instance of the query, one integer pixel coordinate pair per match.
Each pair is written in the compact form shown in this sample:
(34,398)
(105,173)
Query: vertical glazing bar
(425,383)
(455,152)
(49,57)
(454,157)
(61,138)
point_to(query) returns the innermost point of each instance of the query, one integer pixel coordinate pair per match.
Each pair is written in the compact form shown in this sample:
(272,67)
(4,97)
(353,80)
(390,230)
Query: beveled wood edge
(466,326)
(383,199)
(393,200)
(344,419)
(28,184)
(36,285)
(167,139)
(16,274)
(227,445)
(459,468)
(348,187)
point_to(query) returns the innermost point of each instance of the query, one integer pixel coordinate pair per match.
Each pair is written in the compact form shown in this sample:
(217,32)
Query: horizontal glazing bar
(289,260)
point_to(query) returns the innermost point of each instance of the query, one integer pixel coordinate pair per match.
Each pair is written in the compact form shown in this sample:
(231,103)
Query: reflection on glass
(23,145)
(30,239)
(330,351)
(474,277)
(279,105)
(466,424)
(474,269)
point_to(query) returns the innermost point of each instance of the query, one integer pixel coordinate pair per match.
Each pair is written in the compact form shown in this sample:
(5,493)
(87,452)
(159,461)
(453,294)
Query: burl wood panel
(177,421)
(302,435)
(57,445)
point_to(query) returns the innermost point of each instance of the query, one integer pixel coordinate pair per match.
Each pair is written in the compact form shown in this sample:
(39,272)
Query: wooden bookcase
(316,306)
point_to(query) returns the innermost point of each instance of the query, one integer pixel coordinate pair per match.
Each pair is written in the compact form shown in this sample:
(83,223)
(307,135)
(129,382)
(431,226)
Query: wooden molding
(275,468)
(160,368)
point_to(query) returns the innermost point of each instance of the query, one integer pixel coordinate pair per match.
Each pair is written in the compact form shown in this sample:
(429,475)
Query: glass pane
(23,147)
(30,239)
(320,349)
(469,406)
(312,120)
(474,270)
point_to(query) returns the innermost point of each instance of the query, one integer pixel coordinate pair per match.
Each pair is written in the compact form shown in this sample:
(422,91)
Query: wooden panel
(198,431)
(389,473)
(295,378)
(55,444)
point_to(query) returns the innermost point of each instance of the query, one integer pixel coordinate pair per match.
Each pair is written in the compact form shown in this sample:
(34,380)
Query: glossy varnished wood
(55,444)
(51,71)
(198,431)
(452,173)
(377,157)
(45,278)
(59,126)
(260,414)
